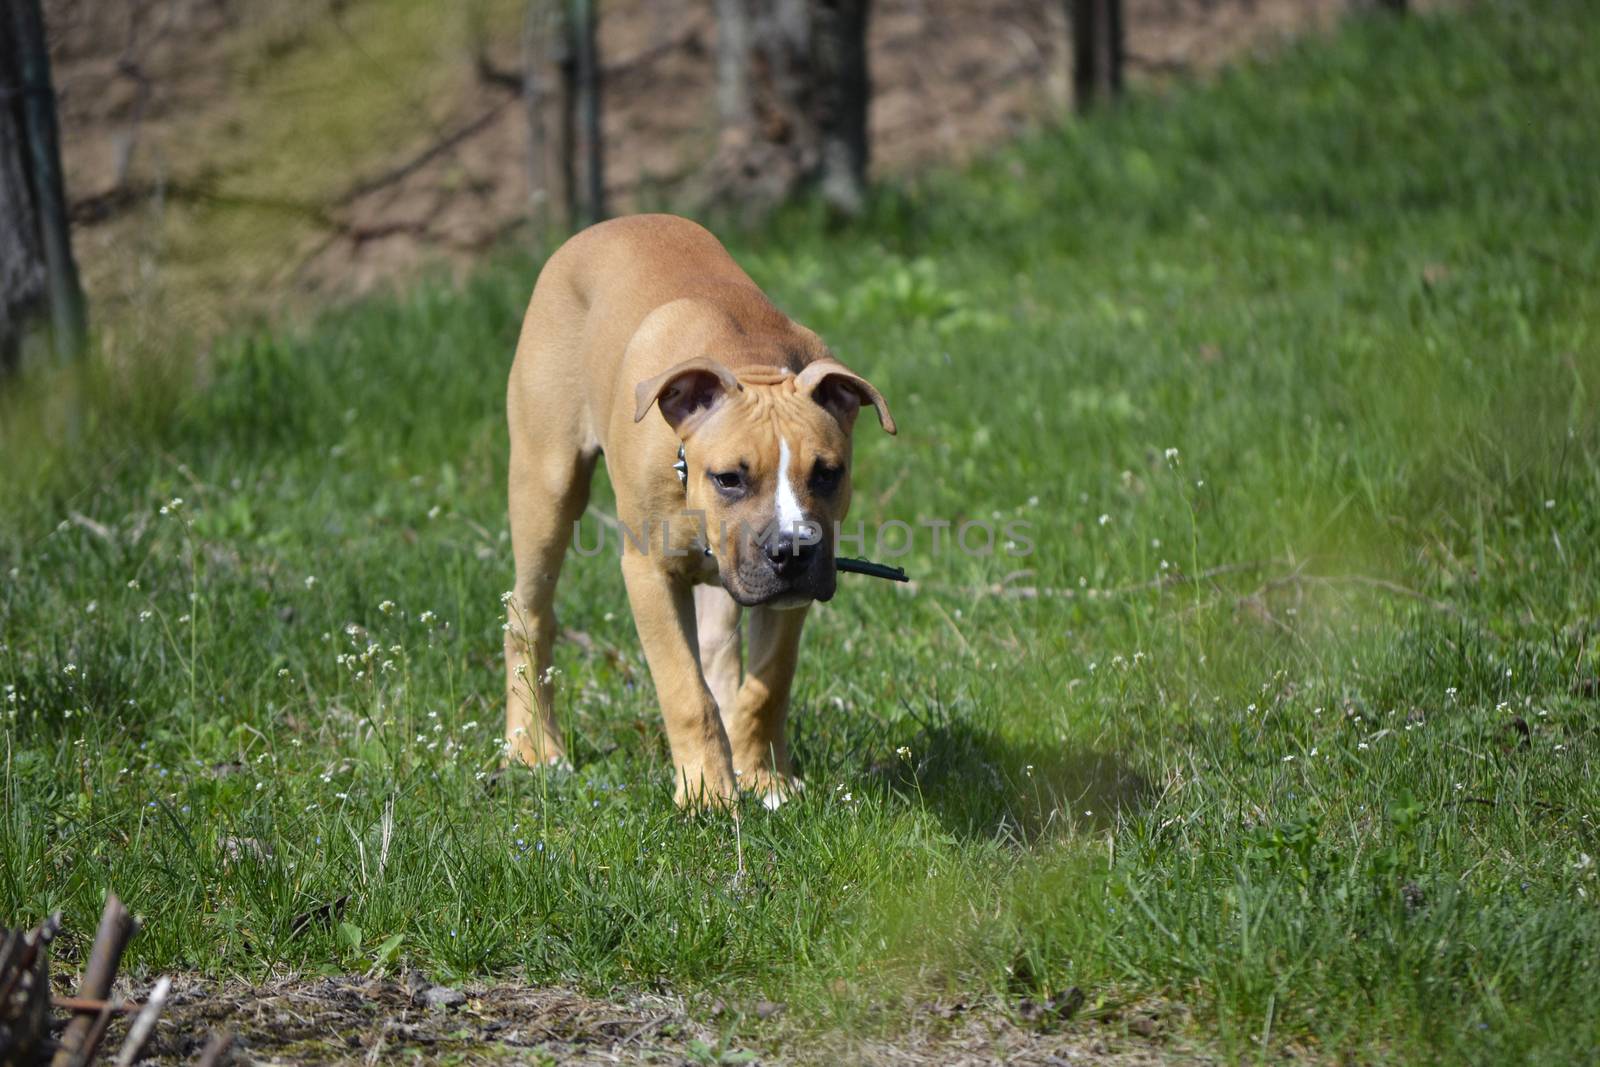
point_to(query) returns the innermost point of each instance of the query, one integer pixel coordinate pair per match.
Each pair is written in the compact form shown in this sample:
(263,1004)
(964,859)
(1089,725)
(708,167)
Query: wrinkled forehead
(758,420)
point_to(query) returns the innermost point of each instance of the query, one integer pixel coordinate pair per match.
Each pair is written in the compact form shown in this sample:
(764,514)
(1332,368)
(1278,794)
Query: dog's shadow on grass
(981,784)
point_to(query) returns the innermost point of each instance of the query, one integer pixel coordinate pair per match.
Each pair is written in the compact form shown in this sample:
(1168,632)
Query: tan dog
(651,312)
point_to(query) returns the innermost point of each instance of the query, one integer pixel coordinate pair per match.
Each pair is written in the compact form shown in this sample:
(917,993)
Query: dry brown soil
(229,155)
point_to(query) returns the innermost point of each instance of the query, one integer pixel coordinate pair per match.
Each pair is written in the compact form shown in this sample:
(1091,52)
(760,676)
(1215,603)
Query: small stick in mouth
(876,570)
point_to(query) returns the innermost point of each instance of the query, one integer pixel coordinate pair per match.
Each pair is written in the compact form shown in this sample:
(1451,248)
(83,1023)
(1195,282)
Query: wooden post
(566,64)
(793,93)
(22,293)
(582,24)
(42,150)
(843,88)
(536,23)
(116,927)
(734,106)
(1097,49)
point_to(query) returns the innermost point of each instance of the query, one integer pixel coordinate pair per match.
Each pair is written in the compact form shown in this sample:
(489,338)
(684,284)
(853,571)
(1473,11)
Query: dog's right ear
(687,393)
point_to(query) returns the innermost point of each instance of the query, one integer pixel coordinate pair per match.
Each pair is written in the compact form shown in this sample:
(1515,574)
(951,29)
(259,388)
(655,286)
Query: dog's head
(768,457)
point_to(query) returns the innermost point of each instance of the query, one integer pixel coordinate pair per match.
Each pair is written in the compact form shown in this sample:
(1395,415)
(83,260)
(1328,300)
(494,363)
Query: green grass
(1283,792)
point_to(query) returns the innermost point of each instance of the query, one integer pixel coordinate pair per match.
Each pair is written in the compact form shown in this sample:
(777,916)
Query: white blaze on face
(791,517)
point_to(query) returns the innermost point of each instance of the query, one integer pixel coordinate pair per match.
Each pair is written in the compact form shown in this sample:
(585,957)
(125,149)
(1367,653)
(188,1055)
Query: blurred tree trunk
(566,63)
(843,89)
(792,96)
(1098,46)
(21,262)
(538,22)
(734,106)
(36,265)
(583,104)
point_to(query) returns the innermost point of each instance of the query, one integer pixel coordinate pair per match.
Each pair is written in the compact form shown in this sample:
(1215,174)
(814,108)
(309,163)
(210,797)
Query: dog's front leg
(756,729)
(716,616)
(663,610)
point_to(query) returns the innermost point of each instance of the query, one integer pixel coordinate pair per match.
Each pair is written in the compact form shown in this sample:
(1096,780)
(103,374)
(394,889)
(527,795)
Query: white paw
(773,799)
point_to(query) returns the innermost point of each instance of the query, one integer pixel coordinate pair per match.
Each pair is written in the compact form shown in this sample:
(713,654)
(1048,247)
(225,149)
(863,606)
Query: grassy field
(1293,747)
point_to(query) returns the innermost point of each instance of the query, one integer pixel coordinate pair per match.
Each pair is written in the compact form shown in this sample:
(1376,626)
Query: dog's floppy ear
(842,391)
(686,393)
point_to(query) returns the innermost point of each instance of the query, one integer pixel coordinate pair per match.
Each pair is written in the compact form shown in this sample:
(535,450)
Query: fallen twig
(91,1005)
(116,927)
(1298,577)
(25,976)
(97,207)
(25,999)
(18,952)
(95,1034)
(1004,589)
(143,1024)
(418,161)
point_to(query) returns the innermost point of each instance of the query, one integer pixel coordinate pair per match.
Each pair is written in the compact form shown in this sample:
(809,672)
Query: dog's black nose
(790,553)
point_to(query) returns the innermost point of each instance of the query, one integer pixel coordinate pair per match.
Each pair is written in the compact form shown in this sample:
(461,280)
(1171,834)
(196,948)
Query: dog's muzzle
(789,568)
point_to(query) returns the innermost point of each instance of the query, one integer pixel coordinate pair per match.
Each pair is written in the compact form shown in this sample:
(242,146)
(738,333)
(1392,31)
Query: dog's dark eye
(730,480)
(825,479)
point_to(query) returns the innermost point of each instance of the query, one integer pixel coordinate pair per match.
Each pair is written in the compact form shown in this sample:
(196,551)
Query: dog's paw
(773,788)
(703,789)
(556,767)
(521,752)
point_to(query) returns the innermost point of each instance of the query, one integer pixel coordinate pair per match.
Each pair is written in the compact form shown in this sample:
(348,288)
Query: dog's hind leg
(717,624)
(549,484)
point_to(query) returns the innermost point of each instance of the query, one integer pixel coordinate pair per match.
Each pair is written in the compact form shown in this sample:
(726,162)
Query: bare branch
(116,927)
(143,1024)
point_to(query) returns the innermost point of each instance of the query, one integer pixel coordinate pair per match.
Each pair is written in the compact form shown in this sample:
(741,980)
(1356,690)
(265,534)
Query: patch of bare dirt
(152,121)
(356,1020)
(351,1020)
